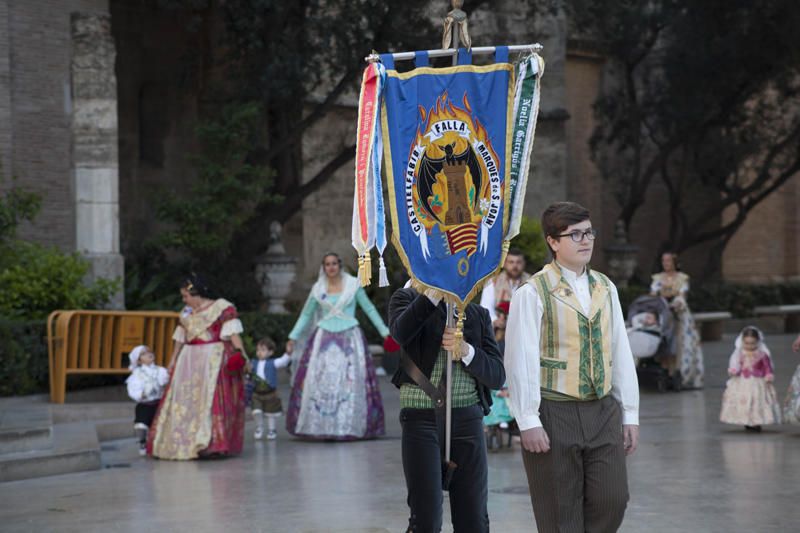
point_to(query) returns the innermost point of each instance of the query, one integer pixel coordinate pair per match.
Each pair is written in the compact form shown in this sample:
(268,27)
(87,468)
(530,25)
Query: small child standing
(749,398)
(791,407)
(262,383)
(146,387)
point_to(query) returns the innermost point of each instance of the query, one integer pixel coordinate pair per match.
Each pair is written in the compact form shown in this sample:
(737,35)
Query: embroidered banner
(446,154)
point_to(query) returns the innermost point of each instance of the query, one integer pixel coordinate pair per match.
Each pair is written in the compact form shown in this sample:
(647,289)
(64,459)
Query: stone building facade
(98,104)
(58,123)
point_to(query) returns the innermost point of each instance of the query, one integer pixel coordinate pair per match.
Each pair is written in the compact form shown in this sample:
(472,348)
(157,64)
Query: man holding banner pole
(418,322)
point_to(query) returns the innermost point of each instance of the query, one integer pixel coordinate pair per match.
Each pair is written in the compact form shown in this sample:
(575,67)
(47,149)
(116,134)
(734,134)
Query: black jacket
(418,325)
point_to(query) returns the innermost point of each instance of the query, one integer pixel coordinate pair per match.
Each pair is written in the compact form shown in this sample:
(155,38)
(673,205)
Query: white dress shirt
(146,383)
(487,299)
(522,353)
(279,362)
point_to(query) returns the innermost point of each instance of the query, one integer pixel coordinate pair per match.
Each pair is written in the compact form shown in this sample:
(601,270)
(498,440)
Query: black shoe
(753,429)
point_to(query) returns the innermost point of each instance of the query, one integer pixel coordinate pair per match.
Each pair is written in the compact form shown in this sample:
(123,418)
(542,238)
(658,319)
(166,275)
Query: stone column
(95,146)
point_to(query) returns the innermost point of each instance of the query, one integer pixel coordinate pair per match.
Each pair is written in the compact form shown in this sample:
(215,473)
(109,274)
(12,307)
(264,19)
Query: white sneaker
(259,434)
(142,451)
(272,434)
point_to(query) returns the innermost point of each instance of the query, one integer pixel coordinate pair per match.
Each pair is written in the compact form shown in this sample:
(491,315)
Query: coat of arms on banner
(455,143)
(456,188)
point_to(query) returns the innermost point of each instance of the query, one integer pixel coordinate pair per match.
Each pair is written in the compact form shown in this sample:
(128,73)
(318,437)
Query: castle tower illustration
(458,211)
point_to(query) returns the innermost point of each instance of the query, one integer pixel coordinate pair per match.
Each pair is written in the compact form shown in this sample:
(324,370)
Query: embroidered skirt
(202,412)
(791,406)
(749,402)
(335,394)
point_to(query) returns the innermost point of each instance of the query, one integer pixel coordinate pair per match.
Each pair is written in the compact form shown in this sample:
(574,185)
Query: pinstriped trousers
(581,484)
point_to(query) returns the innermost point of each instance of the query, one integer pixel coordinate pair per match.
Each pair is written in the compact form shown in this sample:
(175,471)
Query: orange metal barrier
(94,342)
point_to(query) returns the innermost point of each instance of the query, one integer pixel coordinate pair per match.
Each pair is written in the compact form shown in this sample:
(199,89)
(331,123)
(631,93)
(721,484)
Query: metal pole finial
(458,18)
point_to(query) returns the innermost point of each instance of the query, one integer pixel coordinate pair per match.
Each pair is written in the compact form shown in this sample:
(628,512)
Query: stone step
(25,428)
(93,412)
(114,429)
(75,448)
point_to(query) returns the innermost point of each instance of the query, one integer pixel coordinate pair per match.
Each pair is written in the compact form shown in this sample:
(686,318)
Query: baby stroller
(651,333)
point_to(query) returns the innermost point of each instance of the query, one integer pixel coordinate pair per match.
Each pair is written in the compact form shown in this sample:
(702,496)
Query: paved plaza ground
(691,474)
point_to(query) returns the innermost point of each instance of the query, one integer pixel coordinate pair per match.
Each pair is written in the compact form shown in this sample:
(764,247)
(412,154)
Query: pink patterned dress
(202,412)
(749,398)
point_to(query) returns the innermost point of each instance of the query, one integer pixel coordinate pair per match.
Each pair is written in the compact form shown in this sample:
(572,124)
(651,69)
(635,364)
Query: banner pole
(451,315)
(475,51)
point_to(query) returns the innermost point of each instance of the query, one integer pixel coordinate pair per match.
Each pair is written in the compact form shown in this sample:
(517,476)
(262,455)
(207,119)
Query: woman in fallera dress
(673,285)
(335,394)
(202,411)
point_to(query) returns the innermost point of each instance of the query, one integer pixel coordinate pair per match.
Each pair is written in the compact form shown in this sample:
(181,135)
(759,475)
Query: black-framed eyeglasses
(578,235)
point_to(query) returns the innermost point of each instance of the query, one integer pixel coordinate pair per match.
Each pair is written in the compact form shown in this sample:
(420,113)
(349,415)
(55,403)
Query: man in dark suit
(417,321)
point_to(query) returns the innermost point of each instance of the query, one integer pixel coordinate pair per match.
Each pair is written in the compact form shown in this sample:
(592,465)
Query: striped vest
(575,349)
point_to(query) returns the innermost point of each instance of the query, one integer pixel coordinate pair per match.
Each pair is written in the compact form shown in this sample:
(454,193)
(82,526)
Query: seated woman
(673,286)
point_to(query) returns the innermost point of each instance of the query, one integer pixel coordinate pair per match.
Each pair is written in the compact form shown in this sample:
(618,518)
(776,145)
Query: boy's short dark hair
(559,216)
(267,343)
(516,252)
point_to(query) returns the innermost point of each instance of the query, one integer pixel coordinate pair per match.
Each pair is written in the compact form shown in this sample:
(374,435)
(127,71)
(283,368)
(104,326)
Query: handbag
(235,362)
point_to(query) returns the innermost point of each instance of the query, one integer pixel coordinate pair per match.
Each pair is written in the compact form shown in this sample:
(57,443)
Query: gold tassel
(361,270)
(459,335)
(365,281)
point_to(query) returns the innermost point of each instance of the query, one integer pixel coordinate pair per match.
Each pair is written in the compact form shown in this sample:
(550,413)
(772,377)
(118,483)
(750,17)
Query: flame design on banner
(456,182)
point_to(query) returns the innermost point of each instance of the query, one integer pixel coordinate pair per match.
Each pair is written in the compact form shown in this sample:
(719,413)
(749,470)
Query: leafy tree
(531,242)
(705,99)
(285,66)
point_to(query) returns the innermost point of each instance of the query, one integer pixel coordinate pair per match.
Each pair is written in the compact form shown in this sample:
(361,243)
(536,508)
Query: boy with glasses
(572,383)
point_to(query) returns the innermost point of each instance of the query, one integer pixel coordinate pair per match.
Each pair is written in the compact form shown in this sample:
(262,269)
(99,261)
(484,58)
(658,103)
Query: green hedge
(23,352)
(258,325)
(739,299)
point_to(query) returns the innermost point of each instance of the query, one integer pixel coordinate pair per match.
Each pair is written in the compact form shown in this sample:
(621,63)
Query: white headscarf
(135,354)
(735,362)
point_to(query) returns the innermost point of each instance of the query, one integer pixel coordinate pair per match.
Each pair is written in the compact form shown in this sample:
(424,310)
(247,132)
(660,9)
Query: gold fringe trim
(364,270)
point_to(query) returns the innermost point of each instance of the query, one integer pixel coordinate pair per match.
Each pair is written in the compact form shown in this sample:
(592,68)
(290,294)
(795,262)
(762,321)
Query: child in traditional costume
(791,407)
(749,399)
(261,387)
(146,387)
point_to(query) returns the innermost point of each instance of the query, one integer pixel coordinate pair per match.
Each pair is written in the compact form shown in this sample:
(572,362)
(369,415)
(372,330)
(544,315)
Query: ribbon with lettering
(368,215)
(526,112)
